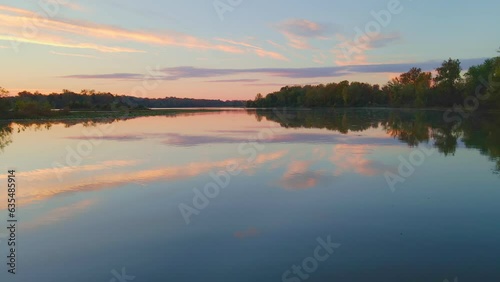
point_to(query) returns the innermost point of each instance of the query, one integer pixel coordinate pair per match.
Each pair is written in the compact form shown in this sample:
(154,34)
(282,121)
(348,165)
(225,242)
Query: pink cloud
(93,30)
(270,54)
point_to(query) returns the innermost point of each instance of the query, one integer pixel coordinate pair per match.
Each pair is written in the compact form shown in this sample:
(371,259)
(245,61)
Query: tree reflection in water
(413,127)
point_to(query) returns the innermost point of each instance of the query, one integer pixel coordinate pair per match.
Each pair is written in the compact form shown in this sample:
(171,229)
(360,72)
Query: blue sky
(189,49)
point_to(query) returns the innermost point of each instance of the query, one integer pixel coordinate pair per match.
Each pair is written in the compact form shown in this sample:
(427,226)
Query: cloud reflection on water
(186,140)
(74,183)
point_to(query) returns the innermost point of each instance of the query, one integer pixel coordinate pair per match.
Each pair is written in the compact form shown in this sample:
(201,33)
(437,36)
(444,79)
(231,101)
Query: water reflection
(319,173)
(7,127)
(5,135)
(481,131)
(413,127)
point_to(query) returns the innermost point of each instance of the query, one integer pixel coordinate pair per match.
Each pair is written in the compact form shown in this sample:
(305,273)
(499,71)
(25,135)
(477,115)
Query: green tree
(411,88)
(259,101)
(447,80)
(4,100)
(448,73)
(497,73)
(495,84)
(27,105)
(87,92)
(423,86)
(410,77)
(358,94)
(477,75)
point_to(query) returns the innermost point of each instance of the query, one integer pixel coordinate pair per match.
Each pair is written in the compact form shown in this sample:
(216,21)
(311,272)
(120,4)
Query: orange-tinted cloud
(23,20)
(51,173)
(270,54)
(73,55)
(51,41)
(15,10)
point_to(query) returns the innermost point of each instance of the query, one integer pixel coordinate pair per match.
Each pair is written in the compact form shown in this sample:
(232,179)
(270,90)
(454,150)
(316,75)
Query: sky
(233,49)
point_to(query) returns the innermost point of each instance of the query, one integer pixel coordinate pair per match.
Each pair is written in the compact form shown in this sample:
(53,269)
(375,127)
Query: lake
(345,195)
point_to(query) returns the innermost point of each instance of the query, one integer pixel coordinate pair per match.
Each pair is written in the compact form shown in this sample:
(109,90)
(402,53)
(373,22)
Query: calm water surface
(246,195)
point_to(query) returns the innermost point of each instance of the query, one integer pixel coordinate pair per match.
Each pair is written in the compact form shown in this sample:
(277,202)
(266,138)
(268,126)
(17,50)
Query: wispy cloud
(73,55)
(244,44)
(117,76)
(10,23)
(45,40)
(320,58)
(176,73)
(276,45)
(233,80)
(300,31)
(68,4)
(14,10)
(270,54)
(50,173)
(266,84)
(382,40)
(282,84)
(354,52)
(256,49)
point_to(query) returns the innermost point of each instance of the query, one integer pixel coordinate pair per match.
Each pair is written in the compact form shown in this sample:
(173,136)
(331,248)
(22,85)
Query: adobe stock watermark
(407,166)
(31,27)
(121,277)
(371,31)
(458,113)
(310,264)
(222,179)
(84,148)
(223,6)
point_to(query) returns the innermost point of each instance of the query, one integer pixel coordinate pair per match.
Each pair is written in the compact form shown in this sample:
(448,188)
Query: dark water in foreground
(355,195)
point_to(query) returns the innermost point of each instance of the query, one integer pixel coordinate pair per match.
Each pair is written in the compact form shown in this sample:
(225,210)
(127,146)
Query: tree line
(415,88)
(27,104)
